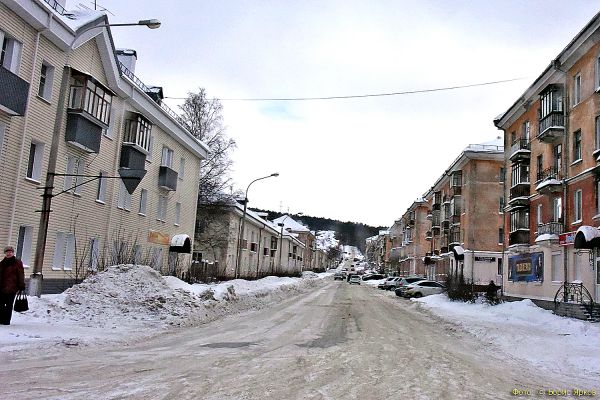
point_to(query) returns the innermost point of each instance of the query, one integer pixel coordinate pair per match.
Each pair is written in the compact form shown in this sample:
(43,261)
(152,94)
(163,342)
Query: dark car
(405,282)
(339,275)
(372,277)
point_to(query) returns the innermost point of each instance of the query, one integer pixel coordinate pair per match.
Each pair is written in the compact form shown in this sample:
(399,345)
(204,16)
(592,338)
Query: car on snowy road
(354,279)
(339,275)
(404,282)
(423,288)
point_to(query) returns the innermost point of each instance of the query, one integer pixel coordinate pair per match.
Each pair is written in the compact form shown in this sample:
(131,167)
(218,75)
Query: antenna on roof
(98,7)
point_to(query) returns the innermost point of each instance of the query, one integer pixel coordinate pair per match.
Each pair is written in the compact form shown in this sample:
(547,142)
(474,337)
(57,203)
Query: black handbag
(21,304)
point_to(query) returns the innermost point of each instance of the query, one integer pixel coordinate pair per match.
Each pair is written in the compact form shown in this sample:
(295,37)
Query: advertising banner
(566,239)
(527,267)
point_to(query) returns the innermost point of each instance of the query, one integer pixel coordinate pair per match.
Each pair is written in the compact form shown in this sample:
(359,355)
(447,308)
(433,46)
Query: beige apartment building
(552,142)
(72,111)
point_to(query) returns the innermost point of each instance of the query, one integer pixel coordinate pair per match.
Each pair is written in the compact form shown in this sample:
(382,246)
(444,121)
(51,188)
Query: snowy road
(336,342)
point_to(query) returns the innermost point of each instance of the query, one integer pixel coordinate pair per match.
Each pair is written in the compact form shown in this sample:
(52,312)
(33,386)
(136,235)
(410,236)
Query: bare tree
(203,118)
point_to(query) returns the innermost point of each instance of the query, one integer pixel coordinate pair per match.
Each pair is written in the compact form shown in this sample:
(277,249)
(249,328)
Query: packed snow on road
(127,302)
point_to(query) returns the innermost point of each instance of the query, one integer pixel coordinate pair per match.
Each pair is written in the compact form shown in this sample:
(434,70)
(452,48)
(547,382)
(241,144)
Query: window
(539,219)
(519,220)
(101,192)
(598,199)
(10,53)
(46,79)
(557,159)
(500,235)
(577,145)
(177,213)
(64,251)
(124,199)
(94,254)
(557,267)
(181,168)
(456,179)
(557,209)
(576,89)
(34,163)
(150,147)
(550,102)
(526,130)
(143,201)
(520,174)
(75,166)
(540,167)
(161,212)
(597,73)
(502,174)
(24,244)
(577,205)
(167,158)
(253,247)
(501,205)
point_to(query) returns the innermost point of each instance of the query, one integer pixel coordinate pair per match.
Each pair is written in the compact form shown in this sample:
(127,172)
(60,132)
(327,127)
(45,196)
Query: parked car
(389,283)
(339,275)
(354,279)
(372,277)
(423,288)
(405,282)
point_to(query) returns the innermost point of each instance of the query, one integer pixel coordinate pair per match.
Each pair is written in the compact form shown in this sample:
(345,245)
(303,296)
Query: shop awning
(181,244)
(587,237)
(459,253)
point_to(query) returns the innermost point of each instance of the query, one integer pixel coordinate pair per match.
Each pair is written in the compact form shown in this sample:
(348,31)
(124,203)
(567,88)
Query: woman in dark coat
(12,279)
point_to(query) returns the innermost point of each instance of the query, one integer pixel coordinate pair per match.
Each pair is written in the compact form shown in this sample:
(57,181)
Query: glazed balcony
(14,92)
(519,237)
(520,150)
(519,195)
(552,127)
(454,238)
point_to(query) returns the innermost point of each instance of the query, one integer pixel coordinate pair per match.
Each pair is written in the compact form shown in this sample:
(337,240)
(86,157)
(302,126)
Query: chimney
(128,58)
(156,92)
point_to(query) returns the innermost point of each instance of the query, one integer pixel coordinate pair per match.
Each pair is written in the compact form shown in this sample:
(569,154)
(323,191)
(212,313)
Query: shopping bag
(21,303)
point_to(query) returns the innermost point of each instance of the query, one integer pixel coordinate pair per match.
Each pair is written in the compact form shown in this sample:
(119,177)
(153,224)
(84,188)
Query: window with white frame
(539,214)
(177,213)
(597,134)
(64,251)
(90,96)
(94,253)
(577,145)
(181,168)
(101,191)
(34,162)
(519,174)
(557,267)
(150,148)
(24,243)
(161,211)
(46,80)
(138,131)
(557,209)
(577,197)
(75,166)
(167,157)
(597,73)
(124,199)
(526,130)
(143,201)
(10,53)
(576,89)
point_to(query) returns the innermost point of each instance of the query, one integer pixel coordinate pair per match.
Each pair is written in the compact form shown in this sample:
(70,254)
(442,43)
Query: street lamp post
(36,278)
(241,231)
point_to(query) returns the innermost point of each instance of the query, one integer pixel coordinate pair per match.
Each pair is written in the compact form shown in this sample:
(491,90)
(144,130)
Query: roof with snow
(291,224)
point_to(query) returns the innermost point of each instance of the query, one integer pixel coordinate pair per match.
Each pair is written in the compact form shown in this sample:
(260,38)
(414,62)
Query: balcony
(132,157)
(550,228)
(455,190)
(454,238)
(167,178)
(83,131)
(549,181)
(437,201)
(520,150)
(519,195)
(13,93)
(446,223)
(428,235)
(455,219)
(519,237)
(552,127)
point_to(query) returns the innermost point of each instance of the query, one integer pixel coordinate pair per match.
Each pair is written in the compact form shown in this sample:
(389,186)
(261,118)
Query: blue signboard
(526,267)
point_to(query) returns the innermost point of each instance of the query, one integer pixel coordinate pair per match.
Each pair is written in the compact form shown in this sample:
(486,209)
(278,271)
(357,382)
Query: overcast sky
(366,159)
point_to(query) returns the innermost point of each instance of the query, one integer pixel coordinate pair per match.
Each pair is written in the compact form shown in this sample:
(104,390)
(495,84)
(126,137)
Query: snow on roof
(546,236)
(77,17)
(547,182)
(291,224)
(589,232)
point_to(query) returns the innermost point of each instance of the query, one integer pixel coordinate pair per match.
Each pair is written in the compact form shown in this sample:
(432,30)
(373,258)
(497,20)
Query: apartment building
(552,142)
(466,216)
(76,120)
(414,245)
(265,248)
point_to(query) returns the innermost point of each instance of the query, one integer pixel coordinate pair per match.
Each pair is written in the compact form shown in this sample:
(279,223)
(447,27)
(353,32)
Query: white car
(423,288)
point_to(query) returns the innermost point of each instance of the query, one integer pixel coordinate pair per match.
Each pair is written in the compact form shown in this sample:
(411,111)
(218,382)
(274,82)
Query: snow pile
(134,298)
(326,240)
(526,332)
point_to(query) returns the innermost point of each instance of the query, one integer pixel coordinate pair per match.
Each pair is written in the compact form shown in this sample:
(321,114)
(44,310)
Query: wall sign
(486,259)
(567,239)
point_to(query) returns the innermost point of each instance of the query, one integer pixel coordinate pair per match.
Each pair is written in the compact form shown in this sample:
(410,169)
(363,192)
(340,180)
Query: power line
(356,96)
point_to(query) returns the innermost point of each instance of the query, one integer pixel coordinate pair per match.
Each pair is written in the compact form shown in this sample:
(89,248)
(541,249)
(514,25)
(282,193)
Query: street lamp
(36,278)
(281,224)
(241,232)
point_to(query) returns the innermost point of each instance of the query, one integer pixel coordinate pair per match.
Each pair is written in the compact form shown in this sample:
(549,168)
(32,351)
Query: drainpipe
(565,162)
